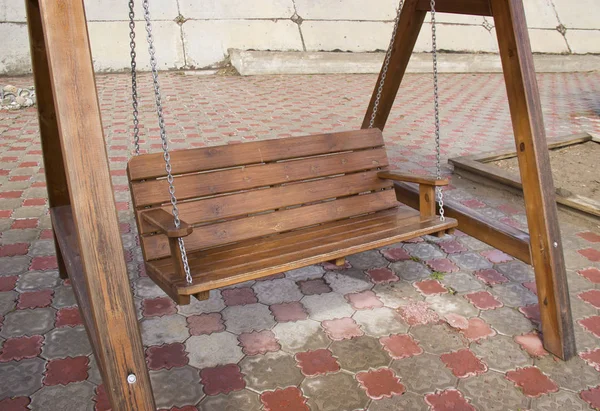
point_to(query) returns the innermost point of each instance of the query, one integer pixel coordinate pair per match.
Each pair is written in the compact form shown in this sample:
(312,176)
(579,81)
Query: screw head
(555,244)
(131,378)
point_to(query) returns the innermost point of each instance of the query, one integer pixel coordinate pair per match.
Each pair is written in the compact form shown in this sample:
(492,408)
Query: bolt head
(131,378)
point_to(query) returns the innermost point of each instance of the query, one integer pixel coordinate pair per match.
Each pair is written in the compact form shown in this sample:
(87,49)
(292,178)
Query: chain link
(163,137)
(386,65)
(436,104)
(134,94)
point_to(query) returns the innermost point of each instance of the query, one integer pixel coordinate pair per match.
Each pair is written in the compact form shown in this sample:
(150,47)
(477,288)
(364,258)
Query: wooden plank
(114,319)
(209,184)
(160,220)
(472,7)
(250,202)
(54,170)
(150,166)
(257,226)
(495,233)
(411,178)
(427,202)
(538,188)
(409,26)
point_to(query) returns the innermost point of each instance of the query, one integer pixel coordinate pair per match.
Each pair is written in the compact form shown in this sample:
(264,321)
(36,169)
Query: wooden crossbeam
(472,7)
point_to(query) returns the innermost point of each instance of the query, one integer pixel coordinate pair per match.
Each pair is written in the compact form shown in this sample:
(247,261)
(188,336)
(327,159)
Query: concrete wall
(198,33)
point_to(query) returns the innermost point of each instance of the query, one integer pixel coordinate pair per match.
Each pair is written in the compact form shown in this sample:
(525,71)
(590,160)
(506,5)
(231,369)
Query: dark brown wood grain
(473,7)
(409,178)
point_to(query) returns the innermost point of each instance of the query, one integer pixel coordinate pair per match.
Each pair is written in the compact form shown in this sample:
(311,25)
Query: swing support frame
(83,209)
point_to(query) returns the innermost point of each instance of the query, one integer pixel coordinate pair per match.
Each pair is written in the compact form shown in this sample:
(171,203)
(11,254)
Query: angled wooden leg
(56,180)
(538,187)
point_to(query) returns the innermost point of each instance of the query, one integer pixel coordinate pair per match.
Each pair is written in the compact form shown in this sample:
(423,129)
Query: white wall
(211,27)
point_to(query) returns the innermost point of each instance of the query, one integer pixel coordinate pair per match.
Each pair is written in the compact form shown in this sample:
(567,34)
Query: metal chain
(436,105)
(163,137)
(386,65)
(134,94)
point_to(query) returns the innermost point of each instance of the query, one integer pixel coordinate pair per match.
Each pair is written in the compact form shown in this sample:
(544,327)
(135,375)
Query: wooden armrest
(426,180)
(164,222)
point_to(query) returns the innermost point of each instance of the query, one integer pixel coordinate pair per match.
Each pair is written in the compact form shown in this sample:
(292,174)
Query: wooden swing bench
(255,209)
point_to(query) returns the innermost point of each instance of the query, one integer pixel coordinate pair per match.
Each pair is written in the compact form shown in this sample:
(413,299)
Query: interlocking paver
(28,322)
(176,386)
(562,400)
(73,397)
(334,392)
(503,396)
(424,373)
(21,377)
(380,322)
(501,353)
(246,318)
(301,336)
(348,281)
(271,371)
(214,349)
(410,270)
(507,321)
(574,374)
(359,354)
(240,400)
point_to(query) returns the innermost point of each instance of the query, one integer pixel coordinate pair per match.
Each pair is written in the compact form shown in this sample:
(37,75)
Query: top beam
(472,7)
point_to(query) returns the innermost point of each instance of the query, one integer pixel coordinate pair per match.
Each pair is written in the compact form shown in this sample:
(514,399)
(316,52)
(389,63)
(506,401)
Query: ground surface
(573,168)
(379,334)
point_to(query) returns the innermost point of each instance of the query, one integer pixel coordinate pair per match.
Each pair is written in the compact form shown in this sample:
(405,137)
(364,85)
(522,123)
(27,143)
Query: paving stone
(417,312)
(166,356)
(532,343)
(14,265)
(8,301)
(37,280)
(410,270)
(462,282)
(73,397)
(245,318)
(214,349)
(446,339)
(327,306)
(176,387)
(380,383)
(592,357)
(258,342)
(592,397)
(532,381)
(500,353)
(66,342)
(448,399)
(146,288)
(214,304)
(305,273)
(341,329)
(471,261)
(278,291)
(300,336)
(205,324)
(562,400)
(507,321)
(580,309)
(407,401)
(64,371)
(318,362)
(21,378)
(28,322)
(42,248)
(585,340)
(380,322)
(222,379)
(398,294)
(395,254)
(315,286)
(334,392)
(271,371)
(64,297)
(451,304)
(514,295)
(491,276)
(424,373)
(400,346)
(164,330)
(430,287)
(367,260)
(463,363)
(289,311)
(491,391)
(359,354)
(240,400)
(93,371)
(348,281)
(474,244)
(516,271)
(573,375)
(424,251)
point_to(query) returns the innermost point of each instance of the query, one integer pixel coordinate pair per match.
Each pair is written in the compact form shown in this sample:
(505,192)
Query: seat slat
(149,166)
(206,184)
(251,202)
(257,226)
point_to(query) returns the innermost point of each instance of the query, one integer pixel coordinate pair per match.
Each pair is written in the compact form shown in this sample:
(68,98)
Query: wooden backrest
(242,191)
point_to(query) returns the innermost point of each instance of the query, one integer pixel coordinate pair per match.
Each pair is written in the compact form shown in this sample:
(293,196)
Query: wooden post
(110,308)
(536,175)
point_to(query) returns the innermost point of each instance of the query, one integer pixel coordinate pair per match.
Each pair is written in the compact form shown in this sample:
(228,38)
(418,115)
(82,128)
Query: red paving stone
(591,254)
(380,383)
(258,342)
(531,286)
(35,299)
(24,223)
(288,399)
(205,324)
(222,379)
(400,346)
(442,265)
(11,250)
(474,203)
(365,300)
(396,254)
(382,275)
(44,263)
(448,400)
(592,358)
(157,307)
(166,356)
(532,381)
(68,317)
(483,300)
(463,363)
(592,274)
(334,267)
(341,329)
(239,296)
(8,283)
(532,312)
(491,277)
(457,321)
(317,362)
(64,371)
(19,348)
(592,397)
(532,343)
(452,247)
(101,399)
(592,324)
(496,256)
(478,330)
(430,287)
(287,312)
(418,312)
(314,287)
(15,404)
(589,236)
(592,297)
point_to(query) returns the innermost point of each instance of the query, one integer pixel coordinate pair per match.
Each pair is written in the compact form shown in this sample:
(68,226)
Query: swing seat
(256,209)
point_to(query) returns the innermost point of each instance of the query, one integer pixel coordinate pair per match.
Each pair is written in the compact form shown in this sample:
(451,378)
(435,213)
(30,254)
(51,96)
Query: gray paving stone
(14,265)
(8,301)
(410,270)
(240,400)
(21,378)
(19,236)
(176,387)
(575,374)
(66,342)
(492,392)
(72,397)
(334,392)
(164,330)
(28,322)
(214,304)
(246,318)
(37,280)
(348,281)
(360,354)
(93,371)
(473,244)
(380,322)
(424,373)
(462,282)
(514,295)
(305,273)
(424,251)
(581,309)
(438,338)
(408,401)
(585,340)
(327,306)
(397,294)
(146,288)
(507,321)
(471,261)
(561,400)
(282,290)
(501,353)
(214,349)
(42,248)
(271,371)
(63,297)
(516,271)
(367,260)
(445,304)
(300,336)
(577,283)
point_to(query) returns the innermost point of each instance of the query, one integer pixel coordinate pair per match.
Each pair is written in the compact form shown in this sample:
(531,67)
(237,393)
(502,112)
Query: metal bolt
(555,244)
(131,379)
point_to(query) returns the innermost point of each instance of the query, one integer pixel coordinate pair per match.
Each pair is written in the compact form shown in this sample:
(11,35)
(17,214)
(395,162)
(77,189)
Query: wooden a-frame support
(530,138)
